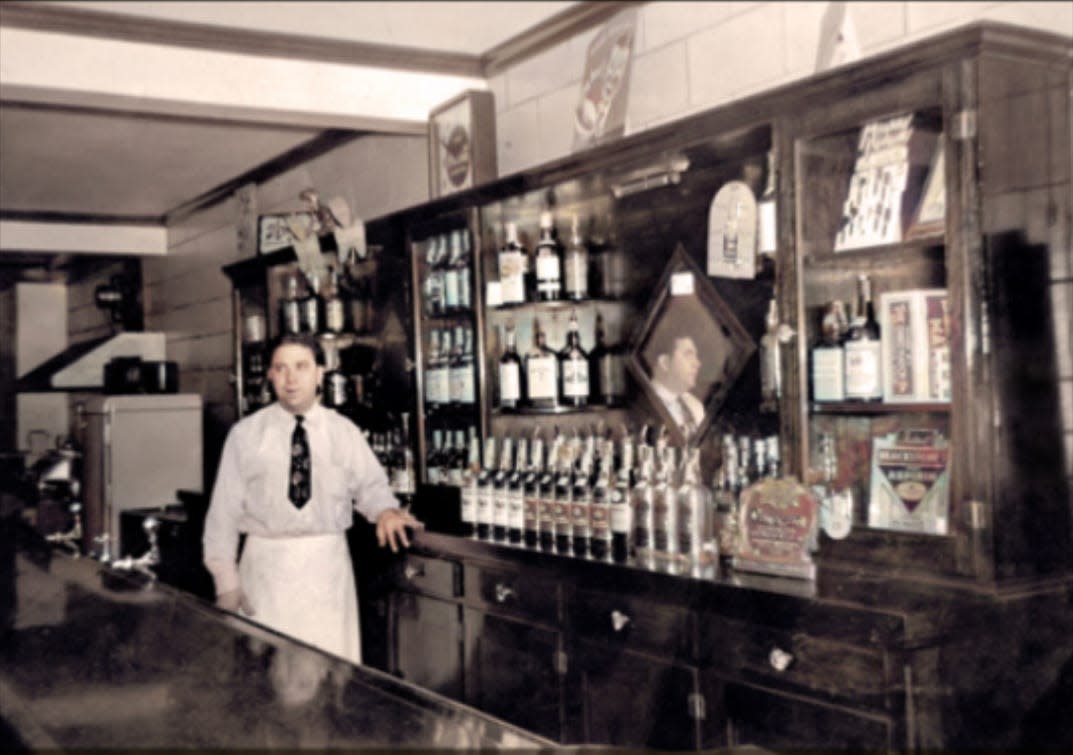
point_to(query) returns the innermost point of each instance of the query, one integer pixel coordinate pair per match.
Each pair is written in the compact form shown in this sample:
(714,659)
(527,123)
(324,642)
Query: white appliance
(139,450)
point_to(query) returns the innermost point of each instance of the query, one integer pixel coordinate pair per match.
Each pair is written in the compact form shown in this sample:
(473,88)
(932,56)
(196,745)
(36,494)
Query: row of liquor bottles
(447,288)
(579,270)
(591,497)
(847,360)
(336,305)
(571,377)
(450,375)
(391,447)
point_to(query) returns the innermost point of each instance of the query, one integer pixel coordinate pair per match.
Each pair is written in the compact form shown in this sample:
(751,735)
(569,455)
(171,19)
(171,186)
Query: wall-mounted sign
(461,143)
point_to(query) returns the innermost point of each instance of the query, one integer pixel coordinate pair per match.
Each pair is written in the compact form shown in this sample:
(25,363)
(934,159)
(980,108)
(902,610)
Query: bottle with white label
(621,513)
(541,373)
(828,363)
(548,263)
(511,373)
(470,479)
(513,265)
(485,491)
(574,368)
(863,368)
(500,492)
(576,264)
(451,272)
(516,494)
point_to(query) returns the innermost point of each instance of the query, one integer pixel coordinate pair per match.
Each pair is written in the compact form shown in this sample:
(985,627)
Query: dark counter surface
(82,665)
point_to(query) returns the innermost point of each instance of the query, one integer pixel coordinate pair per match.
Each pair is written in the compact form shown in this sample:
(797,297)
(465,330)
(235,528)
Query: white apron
(303,587)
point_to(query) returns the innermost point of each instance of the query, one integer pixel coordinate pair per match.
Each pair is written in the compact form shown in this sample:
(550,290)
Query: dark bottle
(516,494)
(548,264)
(576,264)
(531,492)
(334,308)
(450,272)
(642,500)
(600,506)
(434,460)
(290,315)
(434,298)
(459,371)
(500,491)
(310,307)
(486,491)
(621,512)
(861,349)
(541,373)
(607,369)
(470,482)
(357,303)
(581,502)
(564,487)
(465,294)
(573,368)
(547,482)
(511,372)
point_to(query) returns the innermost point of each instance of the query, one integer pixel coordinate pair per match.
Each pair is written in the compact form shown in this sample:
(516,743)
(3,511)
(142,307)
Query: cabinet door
(625,699)
(428,645)
(511,672)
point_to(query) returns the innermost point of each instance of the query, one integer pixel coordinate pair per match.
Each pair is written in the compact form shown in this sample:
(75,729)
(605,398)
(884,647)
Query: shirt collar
(311,418)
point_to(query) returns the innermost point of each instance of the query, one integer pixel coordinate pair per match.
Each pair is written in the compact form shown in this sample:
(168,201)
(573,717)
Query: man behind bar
(290,477)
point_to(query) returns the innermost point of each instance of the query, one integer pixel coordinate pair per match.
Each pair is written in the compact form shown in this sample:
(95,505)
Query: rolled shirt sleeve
(370,488)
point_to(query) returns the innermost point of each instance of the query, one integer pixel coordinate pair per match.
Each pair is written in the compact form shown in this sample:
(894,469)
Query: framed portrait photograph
(461,143)
(689,350)
(274,231)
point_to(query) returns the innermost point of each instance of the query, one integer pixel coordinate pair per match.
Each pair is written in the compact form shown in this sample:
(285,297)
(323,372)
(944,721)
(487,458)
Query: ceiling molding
(560,27)
(83,238)
(48,216)
(93,23)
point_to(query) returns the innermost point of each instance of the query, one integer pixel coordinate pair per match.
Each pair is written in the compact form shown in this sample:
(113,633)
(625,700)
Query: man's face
(295,376)
(681,366)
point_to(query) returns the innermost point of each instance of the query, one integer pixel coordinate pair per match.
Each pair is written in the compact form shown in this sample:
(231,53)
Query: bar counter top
(132,666)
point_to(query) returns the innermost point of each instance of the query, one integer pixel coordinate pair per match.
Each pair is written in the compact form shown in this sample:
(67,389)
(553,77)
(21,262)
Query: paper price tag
(682,284)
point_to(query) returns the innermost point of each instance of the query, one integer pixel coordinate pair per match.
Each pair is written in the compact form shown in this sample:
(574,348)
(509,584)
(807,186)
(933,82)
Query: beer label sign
(909,482)
(777,523)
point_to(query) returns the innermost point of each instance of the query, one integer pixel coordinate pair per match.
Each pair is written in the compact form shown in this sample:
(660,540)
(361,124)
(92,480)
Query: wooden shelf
(865,407)
(923,249)
(533,412)
(559,304)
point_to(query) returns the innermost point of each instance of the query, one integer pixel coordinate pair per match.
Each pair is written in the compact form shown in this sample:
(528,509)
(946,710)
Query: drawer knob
(503,593)
(779,659)
(619,620)
(411,571)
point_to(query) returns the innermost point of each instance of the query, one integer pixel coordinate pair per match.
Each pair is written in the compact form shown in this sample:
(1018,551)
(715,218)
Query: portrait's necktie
(688,425)
(301,479)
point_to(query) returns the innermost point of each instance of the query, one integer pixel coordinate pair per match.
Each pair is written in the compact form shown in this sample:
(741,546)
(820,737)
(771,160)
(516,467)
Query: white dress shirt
(671,400)
(250,494)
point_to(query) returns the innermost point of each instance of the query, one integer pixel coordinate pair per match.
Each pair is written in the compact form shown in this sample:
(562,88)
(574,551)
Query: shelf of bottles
(556,315)
(871,226)
(443,263)
(611,496)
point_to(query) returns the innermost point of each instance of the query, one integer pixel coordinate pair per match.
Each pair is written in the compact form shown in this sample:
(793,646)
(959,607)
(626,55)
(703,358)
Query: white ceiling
(90,159)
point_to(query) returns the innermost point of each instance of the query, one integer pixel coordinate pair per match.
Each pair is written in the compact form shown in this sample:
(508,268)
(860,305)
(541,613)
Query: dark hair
(664,341)
(299,339)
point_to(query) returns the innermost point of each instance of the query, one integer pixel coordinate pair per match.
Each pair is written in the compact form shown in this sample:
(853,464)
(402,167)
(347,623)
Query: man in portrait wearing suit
(675,367)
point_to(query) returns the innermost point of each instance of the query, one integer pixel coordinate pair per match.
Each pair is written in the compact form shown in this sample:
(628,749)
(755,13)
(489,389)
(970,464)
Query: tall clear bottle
(547,483)
(513,265)
(485,491)
(695,531)
(581,500)
(643,502)
(603,488)
(548,263)
(621,512)
(470,482)
(573,368)
(576,264)
(564,488)
(531,492)
(500,492)
(726,500)
(511,372)
(516,494)
(864,374)
(665,531)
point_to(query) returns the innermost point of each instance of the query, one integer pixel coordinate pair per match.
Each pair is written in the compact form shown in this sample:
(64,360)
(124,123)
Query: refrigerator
(139,450)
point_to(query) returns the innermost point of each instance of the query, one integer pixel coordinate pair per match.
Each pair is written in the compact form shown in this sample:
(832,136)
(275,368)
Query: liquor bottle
(310,307)
(467,383)
(607,369)
(836,500)
(434,277)
(500,492)
(470,484)
(828,363)
(335,394)
(772,460)
(547,484)
(465,293)
(695,533)
(726,500)
(434,460)
(485,491)
(573,368)
(513,264)
(516,494)
(456,468)
(334,310)
(770,364)
(576,264)
(602,499)
(564,487)
(357,303)
(290,315)
(548,263)
(864,377)
(531,492)
(511,374)
(581,501)
(541,373)
(642,500)
(621,513)
(457,369)
(767,241)
(437,374)
(407,479)
(665,504)
(450,272)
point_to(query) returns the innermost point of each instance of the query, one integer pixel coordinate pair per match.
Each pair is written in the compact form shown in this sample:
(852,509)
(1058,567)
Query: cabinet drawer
(756,652)
(516,594)
(634,623)
(433,576)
